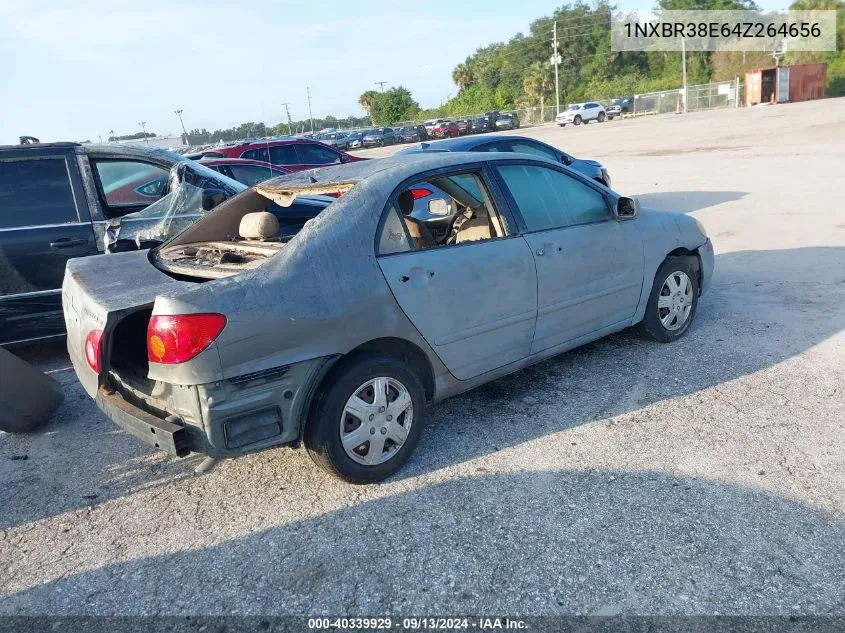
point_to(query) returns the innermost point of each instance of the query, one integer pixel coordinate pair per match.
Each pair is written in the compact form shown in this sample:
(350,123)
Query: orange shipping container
(780,84)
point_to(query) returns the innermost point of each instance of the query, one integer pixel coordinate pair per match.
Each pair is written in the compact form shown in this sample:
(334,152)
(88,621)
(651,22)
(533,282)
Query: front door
(475,300)
(589,265)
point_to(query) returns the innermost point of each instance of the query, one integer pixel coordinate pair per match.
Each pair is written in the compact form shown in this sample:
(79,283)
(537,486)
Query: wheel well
(405,351)
(685,252)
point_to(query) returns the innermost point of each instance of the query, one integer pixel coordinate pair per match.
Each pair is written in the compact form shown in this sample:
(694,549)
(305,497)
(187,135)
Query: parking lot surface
(704,476)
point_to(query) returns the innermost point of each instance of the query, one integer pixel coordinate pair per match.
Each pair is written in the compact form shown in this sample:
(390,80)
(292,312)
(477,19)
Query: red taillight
(179,338)
(92,349)
(335,194)
(420,192)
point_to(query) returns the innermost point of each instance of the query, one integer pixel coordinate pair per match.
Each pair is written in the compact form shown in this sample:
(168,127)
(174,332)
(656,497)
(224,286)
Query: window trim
(479,169)
(523,226)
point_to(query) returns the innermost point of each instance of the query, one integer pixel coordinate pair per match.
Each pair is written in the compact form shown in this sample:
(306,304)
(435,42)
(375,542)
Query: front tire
(601,117)
(367,419)
(673,301)
(577,120)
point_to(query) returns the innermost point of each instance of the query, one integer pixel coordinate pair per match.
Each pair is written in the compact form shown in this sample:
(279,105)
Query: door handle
(540,252)
(66,242)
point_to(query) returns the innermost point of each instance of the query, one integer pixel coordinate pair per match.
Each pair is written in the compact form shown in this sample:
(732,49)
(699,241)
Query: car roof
(463,143)
(213,160)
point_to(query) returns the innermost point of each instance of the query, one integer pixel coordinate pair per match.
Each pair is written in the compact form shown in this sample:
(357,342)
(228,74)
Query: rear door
(475,303)
(589,265)
(44,221)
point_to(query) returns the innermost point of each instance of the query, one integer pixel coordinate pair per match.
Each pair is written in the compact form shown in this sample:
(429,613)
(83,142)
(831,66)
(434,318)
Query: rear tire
(353,386)
(674,292)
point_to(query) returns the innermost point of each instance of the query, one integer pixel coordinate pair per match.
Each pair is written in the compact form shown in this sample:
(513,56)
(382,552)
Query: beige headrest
(258,226)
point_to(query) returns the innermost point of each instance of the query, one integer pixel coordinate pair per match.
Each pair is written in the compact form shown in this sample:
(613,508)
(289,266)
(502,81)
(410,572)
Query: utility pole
(310,116)
(684,63)
(380,84)
(143,125)
(111,134)
(290,130)
(178,112)
(556,59)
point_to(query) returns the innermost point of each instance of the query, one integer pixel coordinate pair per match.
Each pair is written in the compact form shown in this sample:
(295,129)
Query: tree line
(518,73)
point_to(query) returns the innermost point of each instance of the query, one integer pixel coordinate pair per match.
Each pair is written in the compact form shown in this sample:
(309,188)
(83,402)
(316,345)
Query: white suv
(578,113)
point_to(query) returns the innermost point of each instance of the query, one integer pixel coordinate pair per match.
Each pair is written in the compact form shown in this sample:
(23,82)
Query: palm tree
(538,82)
(366,100)
(463,76)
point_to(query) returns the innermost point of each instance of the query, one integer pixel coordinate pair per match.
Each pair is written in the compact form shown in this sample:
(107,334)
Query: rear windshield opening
(245,231)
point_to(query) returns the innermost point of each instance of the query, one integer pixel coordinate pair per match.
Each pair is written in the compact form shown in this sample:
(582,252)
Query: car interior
(474,219)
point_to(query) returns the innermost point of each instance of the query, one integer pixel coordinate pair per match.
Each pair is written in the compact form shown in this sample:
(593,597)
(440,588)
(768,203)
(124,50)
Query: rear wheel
(367,420)
(673,300)
(577,120)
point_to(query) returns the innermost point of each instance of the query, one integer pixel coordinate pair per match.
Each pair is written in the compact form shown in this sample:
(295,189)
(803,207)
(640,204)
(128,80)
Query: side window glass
(35,192)
(548,199)
(259,153)
(530,148)
(250,174)
(393,238)
(446,210)
(129,183)
(283,155)
(493,147)
(316,154)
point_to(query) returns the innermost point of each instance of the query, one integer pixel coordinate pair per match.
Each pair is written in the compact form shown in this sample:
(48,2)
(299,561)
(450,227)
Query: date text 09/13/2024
(417,624)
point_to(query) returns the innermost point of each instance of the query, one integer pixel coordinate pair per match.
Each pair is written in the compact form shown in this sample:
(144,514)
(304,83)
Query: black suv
(58,201)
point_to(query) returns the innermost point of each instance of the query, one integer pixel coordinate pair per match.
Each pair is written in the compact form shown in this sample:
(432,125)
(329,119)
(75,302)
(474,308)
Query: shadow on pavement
(589,542)
(686,201)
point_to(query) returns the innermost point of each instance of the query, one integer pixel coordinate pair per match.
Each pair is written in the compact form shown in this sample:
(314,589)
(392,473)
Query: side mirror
(627,208)
(212,197)
(566,159)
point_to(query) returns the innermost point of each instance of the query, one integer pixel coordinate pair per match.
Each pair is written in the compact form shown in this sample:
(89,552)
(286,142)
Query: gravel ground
(701,477)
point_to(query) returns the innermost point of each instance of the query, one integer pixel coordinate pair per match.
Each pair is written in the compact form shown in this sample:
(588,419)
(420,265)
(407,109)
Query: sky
(74,70)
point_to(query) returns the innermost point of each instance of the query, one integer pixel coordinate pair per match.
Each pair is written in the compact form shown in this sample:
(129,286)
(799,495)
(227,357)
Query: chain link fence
(724,94)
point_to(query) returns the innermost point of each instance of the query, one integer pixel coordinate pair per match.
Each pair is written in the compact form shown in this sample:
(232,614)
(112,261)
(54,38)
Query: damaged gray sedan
(256,327)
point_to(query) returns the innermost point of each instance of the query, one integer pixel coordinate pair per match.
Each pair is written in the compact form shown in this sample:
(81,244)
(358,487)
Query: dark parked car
(411,134)
(464,126)
(378,137)
(248,172)
(292,153)
(626,104)
(355,140)
(507,122)
(480,125)
(63,200)
(234,337)
(521,144)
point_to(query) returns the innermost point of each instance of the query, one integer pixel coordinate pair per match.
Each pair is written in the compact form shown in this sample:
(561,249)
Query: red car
(294,154)
(145,184)
(249,172)
(446,129)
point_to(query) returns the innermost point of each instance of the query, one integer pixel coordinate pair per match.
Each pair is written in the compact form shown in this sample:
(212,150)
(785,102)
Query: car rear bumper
(165,435)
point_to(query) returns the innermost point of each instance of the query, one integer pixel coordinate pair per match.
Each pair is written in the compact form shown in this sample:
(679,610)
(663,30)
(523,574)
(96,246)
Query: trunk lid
(97,293)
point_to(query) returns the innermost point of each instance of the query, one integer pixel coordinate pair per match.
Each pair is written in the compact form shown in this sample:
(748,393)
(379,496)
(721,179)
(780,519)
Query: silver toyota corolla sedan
(240,334)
